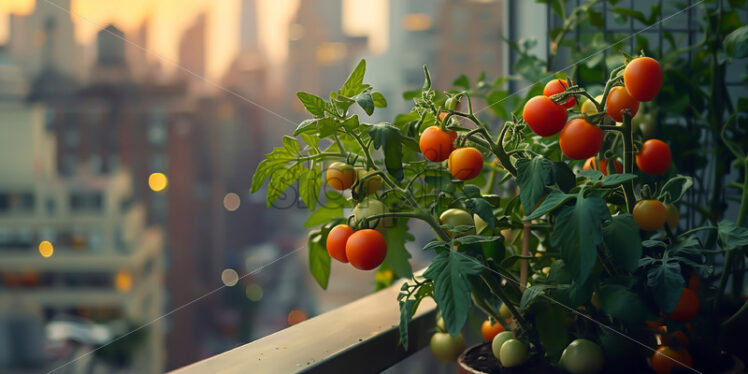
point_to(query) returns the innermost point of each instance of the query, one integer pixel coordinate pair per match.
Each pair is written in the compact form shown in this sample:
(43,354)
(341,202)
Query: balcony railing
(362,335)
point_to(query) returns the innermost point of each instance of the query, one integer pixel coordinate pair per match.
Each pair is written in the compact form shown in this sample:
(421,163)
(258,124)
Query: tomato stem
(628,161)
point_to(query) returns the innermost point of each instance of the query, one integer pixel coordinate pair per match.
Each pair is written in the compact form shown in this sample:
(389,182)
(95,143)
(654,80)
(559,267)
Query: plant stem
(727,267)
(628,162)
(525,253)
(683,235)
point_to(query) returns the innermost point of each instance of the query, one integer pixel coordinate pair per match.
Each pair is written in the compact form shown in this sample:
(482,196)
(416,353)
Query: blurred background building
(125,173)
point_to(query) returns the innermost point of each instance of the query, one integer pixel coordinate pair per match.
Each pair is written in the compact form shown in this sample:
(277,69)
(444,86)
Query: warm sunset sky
(168,18)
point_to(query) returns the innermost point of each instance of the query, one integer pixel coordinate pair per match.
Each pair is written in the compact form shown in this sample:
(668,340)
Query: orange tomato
(490,330)
(687,308)
(665,359)
(603,163)
(618,100)
(650,215)
(340,175)
(366,249)
(465,163)
(436,144)
(336,240)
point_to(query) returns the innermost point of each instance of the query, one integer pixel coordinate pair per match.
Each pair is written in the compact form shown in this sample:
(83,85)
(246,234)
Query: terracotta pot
(488,364)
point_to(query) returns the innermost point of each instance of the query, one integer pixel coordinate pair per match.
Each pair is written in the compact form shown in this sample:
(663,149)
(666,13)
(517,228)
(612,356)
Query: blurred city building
(73,246)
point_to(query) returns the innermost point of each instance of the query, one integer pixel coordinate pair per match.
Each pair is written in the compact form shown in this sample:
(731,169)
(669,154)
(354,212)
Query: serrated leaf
(310,185)
(676,187)
(578,232)
(731,235)
(313,104)
(450,270)
(462,81)
(736,43)
(379,100)
(621,235)
(354,84)
(308,125)
(282,179)
(352,122)
(593,175)
(551,202)
(387,137)
(397,255)
(273,161)
(483,209)
(530,295)
(292,145)
(319,259)
(405,316)
(617,179)
(534,176)
(436,245)
(666,282)
(366,102)
(621,303)
(472,239)
(564,176)
(327,127)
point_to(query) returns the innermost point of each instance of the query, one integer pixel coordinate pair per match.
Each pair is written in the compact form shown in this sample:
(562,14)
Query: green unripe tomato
(513,353)
(457,217)
(450,104)
(499,340)
(505,312)
(370,185)
(582,356)
(370,207)
(440,324)
(447,348)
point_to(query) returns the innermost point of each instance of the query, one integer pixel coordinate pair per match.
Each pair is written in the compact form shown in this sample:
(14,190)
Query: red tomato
(465,163)
(687,308)
(544,116)
(643,78)
(366,249)
(336,240)
(603,163)
(654,157)
(436,144)
(558,86)
(490,330)
(665,359)
(580,139)
(618,100)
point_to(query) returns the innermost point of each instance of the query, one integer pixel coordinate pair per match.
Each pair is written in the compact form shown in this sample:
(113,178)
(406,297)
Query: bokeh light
(231,201)
(296,316)
(46,249)
(158,181)
(123,281)
(229,277)
(254,292)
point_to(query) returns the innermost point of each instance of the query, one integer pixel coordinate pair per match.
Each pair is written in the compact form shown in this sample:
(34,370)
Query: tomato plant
(580,140)
(520,232)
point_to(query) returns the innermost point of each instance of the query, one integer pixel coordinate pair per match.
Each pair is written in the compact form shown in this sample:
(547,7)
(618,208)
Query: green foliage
(449,271)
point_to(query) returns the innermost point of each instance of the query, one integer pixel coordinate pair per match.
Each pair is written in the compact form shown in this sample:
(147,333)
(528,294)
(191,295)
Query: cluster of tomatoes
(438,145)
(364,249)
(580,139)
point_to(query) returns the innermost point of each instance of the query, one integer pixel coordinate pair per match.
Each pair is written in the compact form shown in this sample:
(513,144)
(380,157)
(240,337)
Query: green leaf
(533,177)
(308,125)
(313,104)
(731,235)
(622,303)
(292,145)
(436,245)
(483,209)
(354,84)
(319,259)
(551,202)
(676,187)
(496,101)
(621,235)
(352,122)
(462,81)
(327,127)
(405,316)
(326,213)
(666,282)
(275,160)
(472,239)
(553,335)
(736,43)
(379,100)
(564,176)
(531,295)
(593,175)
(366,102)
(450,270)
(397,255)
(387,137)
(578,232)
(281,180)
(310,184)
(617,179)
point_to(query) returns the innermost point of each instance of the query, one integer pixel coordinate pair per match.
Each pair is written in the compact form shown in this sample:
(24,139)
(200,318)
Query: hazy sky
(168,18)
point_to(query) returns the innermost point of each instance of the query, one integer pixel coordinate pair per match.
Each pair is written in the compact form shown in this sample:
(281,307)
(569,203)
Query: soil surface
(482,359)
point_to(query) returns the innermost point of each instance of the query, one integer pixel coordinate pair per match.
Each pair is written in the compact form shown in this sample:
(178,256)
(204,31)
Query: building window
(157,162)
(69,164)
(71,138)
(51,206)
(16,202)
(86,201)
(95,164)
